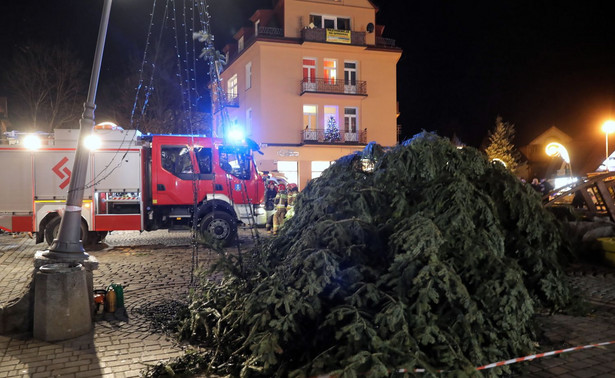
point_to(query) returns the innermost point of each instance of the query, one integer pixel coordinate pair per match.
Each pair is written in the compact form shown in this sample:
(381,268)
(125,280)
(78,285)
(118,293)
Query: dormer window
(330,22)
(240,44)
(256,25)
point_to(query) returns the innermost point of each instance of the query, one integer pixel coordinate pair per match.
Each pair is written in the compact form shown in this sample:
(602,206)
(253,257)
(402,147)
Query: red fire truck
(134,182)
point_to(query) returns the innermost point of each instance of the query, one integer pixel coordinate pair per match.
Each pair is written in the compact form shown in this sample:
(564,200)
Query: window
(350,120)
(309,70)
(256,25)
(350,77)
(240,44)
(203,159)
(330,111)
(310,132)
(249,121)
(176,159)
(316,20)
(231,87)
(318,167)
(309,117)
(248,75)
(330,22)
(350,73)
(343,23)
(330,70)
(289,170)
(332,125)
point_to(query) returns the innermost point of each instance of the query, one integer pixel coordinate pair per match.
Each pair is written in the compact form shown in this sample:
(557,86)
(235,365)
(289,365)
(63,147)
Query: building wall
(275,97)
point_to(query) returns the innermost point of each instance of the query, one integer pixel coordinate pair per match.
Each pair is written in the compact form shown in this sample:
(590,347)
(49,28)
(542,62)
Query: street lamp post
(608,127)
(68,245)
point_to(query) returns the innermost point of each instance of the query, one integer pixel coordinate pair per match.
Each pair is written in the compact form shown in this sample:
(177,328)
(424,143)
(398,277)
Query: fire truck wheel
(53,227)
(221,226)
(96,237)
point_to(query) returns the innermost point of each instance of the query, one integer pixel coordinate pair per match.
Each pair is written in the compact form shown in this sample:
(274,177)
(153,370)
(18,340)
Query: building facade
(310,81)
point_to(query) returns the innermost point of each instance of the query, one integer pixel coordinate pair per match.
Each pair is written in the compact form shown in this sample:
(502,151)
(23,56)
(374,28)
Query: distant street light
(68,245)
(557,149)
(608,127)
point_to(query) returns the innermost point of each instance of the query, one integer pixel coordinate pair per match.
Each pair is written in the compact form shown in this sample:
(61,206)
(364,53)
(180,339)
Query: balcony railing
(320,136)
(229,100)
(307,34)
(385,42)
(315,85)
(320,35)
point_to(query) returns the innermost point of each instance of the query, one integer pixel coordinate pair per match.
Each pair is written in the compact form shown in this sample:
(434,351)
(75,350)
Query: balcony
(333,36)
(307,35)
(332,86)
(319,136)
(228,100)
(266,31)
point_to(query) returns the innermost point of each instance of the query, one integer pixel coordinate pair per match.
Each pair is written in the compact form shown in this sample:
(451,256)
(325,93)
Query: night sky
(535,63)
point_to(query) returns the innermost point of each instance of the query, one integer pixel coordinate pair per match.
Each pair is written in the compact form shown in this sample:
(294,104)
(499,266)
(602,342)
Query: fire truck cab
(134,182)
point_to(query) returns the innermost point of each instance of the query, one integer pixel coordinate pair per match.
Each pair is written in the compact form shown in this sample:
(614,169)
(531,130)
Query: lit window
(231,87)
(330,111)
(330,70)
(309,70)
(240,44)
(309,117)
(289,170)
(318,167)
(256,25)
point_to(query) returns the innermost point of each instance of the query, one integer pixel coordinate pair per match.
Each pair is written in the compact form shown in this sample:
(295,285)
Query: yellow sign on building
(338,36)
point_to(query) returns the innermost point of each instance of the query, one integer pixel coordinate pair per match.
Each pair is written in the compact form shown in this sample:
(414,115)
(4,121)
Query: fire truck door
(173,181)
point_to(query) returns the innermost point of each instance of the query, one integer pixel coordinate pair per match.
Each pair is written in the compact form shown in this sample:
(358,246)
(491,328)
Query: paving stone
(156,265)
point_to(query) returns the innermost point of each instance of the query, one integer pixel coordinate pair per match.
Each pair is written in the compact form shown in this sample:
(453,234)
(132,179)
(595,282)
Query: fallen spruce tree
(424,256)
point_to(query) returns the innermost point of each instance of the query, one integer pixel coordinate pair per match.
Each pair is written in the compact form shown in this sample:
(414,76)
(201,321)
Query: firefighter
(270,195)
(280,202)
(293,190)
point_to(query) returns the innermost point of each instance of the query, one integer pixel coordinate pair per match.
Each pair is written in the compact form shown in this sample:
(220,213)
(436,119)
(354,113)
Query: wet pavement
(155,267)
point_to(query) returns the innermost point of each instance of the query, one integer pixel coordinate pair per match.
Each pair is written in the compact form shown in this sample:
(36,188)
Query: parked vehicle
(134,182)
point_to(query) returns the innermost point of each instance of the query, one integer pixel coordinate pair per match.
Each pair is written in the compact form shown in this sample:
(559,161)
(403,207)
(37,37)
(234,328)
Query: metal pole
(606,151)
(68,245)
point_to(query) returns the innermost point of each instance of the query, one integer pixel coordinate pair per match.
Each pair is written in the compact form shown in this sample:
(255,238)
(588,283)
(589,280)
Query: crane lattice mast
(215,61)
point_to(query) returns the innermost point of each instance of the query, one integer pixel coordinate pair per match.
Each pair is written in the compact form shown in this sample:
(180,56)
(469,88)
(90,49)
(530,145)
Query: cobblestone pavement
(157,265)
(151,267)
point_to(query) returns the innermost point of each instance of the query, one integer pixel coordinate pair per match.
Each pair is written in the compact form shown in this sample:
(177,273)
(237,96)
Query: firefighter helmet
(281,187)
(293,187)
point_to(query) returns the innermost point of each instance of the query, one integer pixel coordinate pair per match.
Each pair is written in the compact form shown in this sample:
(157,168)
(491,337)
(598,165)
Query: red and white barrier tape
(511,361)
(539,355)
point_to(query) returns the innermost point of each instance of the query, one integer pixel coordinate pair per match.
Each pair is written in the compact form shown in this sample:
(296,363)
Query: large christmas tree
(435,259)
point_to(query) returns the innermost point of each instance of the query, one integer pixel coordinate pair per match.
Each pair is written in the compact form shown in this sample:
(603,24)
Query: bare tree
(48,85)
(152,100)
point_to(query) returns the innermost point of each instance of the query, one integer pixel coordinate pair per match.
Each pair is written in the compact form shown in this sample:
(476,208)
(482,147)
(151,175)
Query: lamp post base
(66,251)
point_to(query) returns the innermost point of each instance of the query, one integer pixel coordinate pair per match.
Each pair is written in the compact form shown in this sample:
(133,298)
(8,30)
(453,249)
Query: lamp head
(608,127)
